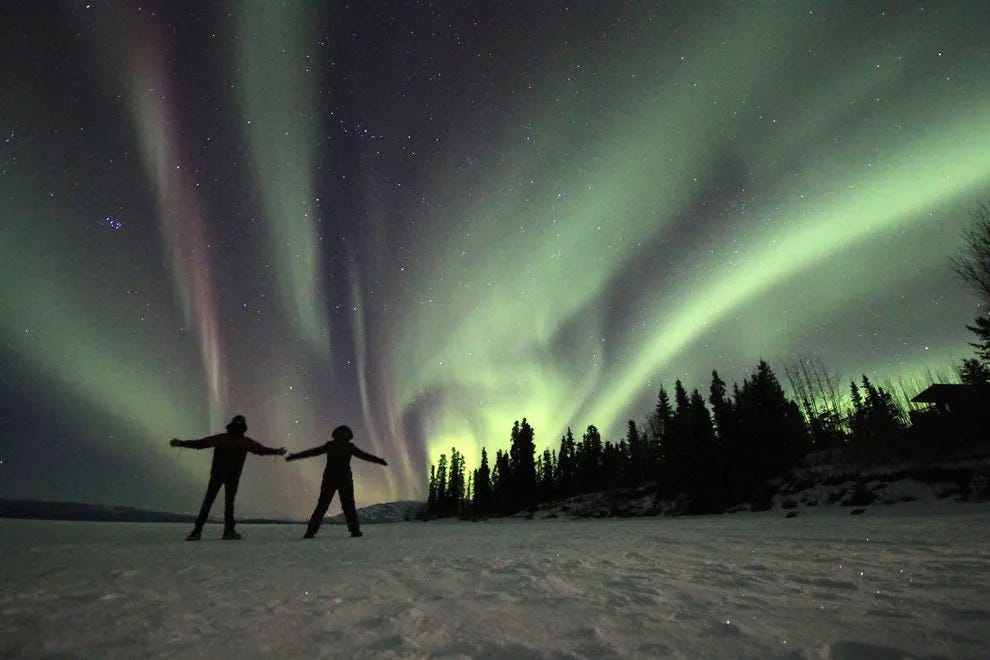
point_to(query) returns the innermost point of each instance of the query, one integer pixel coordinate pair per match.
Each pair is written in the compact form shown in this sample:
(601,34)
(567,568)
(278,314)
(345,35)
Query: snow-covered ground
(901,581)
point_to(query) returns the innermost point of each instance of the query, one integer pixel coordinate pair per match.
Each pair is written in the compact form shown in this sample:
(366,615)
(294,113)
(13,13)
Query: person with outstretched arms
(229,451)
(336,478)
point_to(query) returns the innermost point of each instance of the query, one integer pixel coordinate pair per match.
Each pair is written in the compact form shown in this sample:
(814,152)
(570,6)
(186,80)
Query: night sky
(428,220)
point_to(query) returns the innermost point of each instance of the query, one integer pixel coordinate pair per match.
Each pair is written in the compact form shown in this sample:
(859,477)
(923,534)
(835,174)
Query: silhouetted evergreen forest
(715,452)
(711,452)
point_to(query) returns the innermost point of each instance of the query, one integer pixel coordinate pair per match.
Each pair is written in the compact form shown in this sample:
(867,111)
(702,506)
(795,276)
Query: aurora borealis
(429,220)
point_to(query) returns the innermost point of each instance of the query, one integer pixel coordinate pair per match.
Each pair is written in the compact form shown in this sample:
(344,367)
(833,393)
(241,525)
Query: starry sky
(427,220)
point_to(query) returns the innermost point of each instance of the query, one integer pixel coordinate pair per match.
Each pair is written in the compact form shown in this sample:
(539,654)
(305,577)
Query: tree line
(712,452)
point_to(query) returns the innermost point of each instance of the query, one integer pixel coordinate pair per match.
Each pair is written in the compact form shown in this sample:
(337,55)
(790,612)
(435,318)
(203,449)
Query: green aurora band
(538,249)
(278,90)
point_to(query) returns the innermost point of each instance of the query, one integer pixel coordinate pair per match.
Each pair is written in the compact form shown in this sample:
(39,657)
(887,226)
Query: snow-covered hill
(386,512)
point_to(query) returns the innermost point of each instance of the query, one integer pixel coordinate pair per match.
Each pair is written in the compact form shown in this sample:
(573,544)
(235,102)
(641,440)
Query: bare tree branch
(973,264)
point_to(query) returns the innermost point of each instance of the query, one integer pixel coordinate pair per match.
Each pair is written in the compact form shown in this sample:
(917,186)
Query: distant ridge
(387,512)
(44,510)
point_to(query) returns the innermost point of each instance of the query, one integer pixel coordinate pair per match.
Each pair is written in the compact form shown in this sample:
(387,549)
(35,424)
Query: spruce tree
(660,426)
(974,372)
(431,500)
(772,435)
(636,463)
(565,465)
(456,485)
(522,455)
(468,504)
(501,483)
(784,420)
(545,476)
(679,438)
(707,489)
(591,460)
(973,266)
(483,487)
(702,430)
(442,486)
(722,412)
(981,328)
(660,421)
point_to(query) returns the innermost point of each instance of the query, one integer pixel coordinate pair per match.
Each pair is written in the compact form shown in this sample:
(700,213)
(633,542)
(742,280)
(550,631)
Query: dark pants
(229,482)
(345,487)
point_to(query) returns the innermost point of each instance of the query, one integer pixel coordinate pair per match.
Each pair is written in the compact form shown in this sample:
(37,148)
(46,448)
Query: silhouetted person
(229,451)
(336,478)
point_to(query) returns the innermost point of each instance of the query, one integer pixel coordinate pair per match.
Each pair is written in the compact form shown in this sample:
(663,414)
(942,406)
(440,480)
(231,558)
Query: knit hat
(237,425)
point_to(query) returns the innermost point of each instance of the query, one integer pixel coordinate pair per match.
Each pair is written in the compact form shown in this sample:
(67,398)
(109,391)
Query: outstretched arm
(315,451)
(256,447)
(202,443)
(365,456)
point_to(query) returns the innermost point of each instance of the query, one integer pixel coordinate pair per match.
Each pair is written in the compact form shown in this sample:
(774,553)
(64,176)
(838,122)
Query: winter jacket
(338,458)
(229,451)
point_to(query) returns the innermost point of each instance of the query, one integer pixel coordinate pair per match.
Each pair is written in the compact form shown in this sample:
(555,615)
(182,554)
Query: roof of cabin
(953,393)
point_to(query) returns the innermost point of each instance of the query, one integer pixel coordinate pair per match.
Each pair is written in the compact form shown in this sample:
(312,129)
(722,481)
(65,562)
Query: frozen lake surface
(896,582)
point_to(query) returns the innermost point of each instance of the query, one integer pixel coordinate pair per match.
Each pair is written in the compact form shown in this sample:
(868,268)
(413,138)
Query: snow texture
(901,581)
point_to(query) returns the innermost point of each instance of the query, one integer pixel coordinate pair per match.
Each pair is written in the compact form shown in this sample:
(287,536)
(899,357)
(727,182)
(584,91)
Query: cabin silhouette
(956,416)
